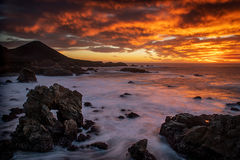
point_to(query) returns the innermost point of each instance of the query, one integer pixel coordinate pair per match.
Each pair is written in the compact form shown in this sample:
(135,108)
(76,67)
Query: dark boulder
(88,124)
(31,135)
(215,137)
(26,75)
(8,81)
(134,70)
(82,137)
(132,115)
(94,129)
(100,145)
(138,151)
(70,129)
(197,98)
(87,104)
(130,82)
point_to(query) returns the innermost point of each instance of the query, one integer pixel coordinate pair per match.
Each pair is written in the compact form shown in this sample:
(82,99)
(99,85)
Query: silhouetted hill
(37,56)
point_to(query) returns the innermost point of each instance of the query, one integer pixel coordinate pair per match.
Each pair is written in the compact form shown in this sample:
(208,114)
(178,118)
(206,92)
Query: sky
(171,31)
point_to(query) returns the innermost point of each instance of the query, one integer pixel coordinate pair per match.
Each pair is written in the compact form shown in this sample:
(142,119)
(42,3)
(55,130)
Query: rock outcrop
(26,75)
(215,137)
(39,130)
(134,70)
(138,151)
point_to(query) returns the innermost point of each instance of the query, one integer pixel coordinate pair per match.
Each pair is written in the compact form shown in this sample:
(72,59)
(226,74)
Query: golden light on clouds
(132,31)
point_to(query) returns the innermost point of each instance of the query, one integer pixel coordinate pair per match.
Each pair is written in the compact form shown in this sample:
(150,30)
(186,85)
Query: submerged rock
(197,75)
(87,104)
(130,82)
(88,124)
(100,145)
(234,106)
(12,115)
(197,98)
(138,151)
(132,115)
(8,81)
(134,70)
(125,94)
(121,117)
(82,137)
(215,137)
(26,75)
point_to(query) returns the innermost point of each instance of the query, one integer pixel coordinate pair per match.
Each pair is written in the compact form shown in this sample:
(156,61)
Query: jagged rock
(67,102)
(82,137)
(215,137)
(95,130)
(39,130)
(132,115)
(70,129)
(100,145)
(31,135)
(26,75)
(88,124)
(138,151)
(134,70)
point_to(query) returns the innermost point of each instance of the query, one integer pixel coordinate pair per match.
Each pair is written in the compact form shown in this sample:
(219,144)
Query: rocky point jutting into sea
(142,112)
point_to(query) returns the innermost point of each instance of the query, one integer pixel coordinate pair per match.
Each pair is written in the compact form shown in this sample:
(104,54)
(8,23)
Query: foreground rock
(12,115)
(132,115)
(100,145)
(26,75)
(134,70)
(7,149)
(39,130)
(215,137)
(138,151)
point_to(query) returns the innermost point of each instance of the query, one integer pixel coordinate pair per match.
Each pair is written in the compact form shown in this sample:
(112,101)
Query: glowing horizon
(187,31)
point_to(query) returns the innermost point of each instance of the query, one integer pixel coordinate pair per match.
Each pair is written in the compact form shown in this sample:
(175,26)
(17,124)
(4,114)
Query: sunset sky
(127,30)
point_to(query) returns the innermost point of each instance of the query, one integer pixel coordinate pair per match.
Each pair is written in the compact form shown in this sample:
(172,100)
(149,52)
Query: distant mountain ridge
(37,55)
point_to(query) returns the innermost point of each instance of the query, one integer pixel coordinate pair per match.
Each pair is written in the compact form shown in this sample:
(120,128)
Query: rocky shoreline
(194,137)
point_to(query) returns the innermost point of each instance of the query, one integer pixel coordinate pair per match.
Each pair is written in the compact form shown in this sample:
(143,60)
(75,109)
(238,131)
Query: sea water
(169,89)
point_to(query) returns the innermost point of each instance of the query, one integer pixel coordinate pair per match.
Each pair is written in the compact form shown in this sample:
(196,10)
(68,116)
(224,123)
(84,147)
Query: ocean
(169,89)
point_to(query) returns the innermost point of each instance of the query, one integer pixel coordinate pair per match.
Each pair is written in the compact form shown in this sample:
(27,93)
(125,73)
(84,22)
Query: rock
(42,99)
(123,110)
(132,115)
(235,109)
(95,130)
(134,70)
(39,130)
(138,151)
(13,99)
(120,117)
(125,94)
(7,118)
(26,75)
(8,81)
(12,115)
(16,110)
(197,75)
(96,110)
(30,135)
(209,98)
(82,137)
(70,129)
(100,145)
(7,149)
(87,104)
(197,98)
(130,82)
(215,137)
(88,124)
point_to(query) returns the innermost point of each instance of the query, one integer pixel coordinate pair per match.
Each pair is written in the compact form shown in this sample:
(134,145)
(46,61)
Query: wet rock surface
(138,151)
(12,115)
(215,137)
(39,130)
(26,75)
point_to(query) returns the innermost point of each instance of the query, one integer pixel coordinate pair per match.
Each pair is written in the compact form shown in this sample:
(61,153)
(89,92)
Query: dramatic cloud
(166,30)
